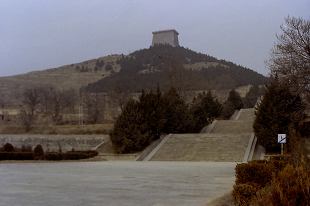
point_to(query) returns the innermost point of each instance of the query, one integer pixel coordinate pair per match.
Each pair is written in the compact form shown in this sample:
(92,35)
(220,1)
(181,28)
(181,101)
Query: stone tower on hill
(166,37)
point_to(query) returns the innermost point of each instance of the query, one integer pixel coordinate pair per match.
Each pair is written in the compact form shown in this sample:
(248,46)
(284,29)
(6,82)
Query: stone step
(232,126)
(247,115)
(204,147)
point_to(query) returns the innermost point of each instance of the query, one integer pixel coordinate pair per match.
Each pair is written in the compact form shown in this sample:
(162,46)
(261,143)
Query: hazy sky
(38,35)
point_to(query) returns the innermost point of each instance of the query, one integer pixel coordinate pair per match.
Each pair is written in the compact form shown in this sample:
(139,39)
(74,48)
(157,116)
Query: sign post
(281,140)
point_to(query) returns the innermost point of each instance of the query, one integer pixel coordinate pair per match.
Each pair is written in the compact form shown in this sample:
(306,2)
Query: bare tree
(70,98)
(46,93)
(2,104)
(119,91)
(27,120)
(61,99)
(95,106)
(290,57)
(31,98)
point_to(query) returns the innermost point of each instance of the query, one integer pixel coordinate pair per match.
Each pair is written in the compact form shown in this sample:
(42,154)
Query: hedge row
(16,156)
(262,182)
(48,156)
(69,155)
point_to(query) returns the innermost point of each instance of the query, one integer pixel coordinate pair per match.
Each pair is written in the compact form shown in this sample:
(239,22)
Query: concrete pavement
(114,183)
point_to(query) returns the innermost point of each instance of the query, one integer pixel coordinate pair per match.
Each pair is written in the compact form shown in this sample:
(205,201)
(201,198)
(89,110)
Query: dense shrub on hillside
(222,76)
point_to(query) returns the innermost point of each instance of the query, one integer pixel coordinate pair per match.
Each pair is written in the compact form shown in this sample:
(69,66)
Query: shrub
(38,151)
(74,156)
(289,187)
(252,176)
(69,155)
(8,147)
(256,171)
(52,156)
(16,156)
(243,193)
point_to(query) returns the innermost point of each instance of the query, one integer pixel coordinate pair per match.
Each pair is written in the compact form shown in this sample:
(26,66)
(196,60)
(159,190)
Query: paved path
(114,183)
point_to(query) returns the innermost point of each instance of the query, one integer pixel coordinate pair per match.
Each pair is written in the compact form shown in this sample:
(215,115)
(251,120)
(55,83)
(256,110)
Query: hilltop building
(166,37)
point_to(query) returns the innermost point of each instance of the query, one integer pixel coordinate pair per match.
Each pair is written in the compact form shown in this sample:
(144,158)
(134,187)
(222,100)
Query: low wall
(52,143)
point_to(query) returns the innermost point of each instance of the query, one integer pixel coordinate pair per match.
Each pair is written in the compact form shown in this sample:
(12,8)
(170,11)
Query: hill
(148,67)
(140,69)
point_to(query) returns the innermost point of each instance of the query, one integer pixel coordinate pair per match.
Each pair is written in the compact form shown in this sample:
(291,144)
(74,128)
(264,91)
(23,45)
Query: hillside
(63,77)
(141,69)
(147,68)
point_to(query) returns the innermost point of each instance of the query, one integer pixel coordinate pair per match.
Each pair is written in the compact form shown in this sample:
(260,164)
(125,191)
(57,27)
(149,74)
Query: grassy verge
(58,129)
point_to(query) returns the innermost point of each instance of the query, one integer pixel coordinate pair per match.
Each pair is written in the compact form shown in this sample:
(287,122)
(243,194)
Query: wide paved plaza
(114,183)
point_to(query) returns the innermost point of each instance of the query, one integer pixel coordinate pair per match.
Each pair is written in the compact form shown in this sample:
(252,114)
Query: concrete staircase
(232,126)
(222,141)
(247,115)
(203,147)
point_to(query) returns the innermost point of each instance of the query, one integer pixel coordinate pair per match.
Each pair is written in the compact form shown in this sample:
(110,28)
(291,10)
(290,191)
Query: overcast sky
(38,35)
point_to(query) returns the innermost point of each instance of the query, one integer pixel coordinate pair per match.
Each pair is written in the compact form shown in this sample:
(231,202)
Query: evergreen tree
(179,119)
(277,110)
(153,110)
(108,67)
(251,97)
(205,109)
(236,99)
(228,109)
(131,132)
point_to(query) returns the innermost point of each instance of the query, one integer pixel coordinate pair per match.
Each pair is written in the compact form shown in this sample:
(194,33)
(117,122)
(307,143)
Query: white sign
(281,138)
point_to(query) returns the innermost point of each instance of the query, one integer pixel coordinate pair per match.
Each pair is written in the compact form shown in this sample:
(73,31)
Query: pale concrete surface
(115,183)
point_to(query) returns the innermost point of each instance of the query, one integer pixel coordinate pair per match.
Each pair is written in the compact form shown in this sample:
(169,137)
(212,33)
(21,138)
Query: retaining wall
(52,143)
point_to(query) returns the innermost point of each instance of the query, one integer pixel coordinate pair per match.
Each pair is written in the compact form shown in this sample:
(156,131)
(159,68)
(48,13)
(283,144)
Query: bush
(244,193)
(252,176)
(289,187)
(16,156)
(69,155)
(8,147)
(74,156)
(38,151)
(256,171)
(274,182)
(52,156)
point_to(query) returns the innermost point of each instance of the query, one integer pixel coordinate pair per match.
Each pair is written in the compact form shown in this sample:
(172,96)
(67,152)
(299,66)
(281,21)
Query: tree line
(155,113)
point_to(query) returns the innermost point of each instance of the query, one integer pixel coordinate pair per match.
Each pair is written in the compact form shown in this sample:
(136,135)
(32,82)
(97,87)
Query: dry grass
(58,129)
